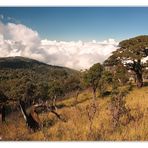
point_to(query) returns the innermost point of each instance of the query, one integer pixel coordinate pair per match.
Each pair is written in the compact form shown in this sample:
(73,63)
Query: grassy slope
(77,125)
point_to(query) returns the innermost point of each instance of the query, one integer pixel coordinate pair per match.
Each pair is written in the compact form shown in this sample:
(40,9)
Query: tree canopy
(92,77)
(130,53)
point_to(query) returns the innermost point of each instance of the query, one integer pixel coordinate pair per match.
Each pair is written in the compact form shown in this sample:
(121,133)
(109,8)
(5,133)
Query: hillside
(114,116)
(16,73)
(77,125)
(18,62)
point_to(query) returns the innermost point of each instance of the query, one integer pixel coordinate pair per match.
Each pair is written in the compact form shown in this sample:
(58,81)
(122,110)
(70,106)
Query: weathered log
(31,117)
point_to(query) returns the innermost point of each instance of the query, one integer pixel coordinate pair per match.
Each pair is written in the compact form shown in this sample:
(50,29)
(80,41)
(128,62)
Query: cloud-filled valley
(20,40)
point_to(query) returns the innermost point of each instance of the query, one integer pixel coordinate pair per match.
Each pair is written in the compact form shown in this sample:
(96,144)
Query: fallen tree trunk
(31,117)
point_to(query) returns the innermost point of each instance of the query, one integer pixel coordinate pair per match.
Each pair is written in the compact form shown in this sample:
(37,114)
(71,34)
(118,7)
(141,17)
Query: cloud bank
(19,40)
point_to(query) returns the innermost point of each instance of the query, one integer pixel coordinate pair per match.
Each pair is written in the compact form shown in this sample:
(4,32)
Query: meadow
(77,125)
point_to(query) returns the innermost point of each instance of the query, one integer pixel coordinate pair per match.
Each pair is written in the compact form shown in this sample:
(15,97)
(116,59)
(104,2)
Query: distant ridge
(19,62)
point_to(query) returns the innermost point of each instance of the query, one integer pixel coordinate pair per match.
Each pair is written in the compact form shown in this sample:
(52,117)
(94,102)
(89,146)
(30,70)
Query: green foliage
(23,78)
(3,97)
(104,81)
(42,91)
(93,75)
(107,76)
(102,87)
(29,92)
(121,74)
(135,48)
(132,50)
(55,89)
(74,82)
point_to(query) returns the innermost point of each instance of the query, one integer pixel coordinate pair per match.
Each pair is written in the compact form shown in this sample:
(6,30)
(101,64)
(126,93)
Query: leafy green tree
(130,53)
(121,74)
(107,76)
(42,91)
(93,76)
(55,91)
(30,94)
(73,83)
(105,81)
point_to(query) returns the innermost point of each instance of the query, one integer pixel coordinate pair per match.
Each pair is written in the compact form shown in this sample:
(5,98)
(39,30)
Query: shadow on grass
(60,106)
(145,83)
(49,122)
(106,93)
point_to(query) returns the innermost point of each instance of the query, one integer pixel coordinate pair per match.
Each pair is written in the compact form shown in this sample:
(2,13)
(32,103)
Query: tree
(3,99)
(29,93)
(92,77)
(121,74)
(31,117)
(55,90)
(120,113)
(130,53)
(145,72)
(73,83)
(42,91)
(106,79)
(118,108)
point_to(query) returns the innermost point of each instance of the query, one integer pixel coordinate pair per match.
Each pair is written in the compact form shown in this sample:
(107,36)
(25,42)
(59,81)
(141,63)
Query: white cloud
(1,16)
(78,54)
(19,40)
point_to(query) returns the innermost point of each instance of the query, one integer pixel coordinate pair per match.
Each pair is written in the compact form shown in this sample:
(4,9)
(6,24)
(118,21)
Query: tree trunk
(30,117)
(3,113)
(76,97)
(139,80)
(54,102)
(94,94)
(138,71)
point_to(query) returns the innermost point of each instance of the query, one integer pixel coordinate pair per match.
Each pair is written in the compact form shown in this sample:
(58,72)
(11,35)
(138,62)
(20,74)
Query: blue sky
(82,23)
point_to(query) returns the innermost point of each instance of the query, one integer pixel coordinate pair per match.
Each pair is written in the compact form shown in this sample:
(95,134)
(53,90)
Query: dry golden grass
(77,125)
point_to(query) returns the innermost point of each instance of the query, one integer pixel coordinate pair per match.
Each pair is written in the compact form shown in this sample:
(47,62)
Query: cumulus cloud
(19,40)
(78,55)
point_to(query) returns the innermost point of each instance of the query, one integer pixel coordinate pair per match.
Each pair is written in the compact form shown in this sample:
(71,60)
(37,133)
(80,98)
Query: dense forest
(20,76)
(35,89)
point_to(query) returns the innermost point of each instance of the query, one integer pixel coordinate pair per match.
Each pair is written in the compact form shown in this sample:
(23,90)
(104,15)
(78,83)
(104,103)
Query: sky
(75,37)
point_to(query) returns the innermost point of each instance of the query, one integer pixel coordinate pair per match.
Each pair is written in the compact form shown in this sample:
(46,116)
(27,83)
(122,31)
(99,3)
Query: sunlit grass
(77,125)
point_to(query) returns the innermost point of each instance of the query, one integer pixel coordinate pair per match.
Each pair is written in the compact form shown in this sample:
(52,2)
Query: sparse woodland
(106,102)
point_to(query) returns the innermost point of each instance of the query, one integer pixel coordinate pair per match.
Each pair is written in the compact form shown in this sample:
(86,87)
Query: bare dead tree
(54,102)
(52,109)
(31,116)
(91,112)
(76,97)
(118,109)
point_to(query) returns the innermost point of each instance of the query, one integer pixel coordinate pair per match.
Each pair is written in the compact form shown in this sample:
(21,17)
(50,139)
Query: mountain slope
(18,62)
(17,72)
